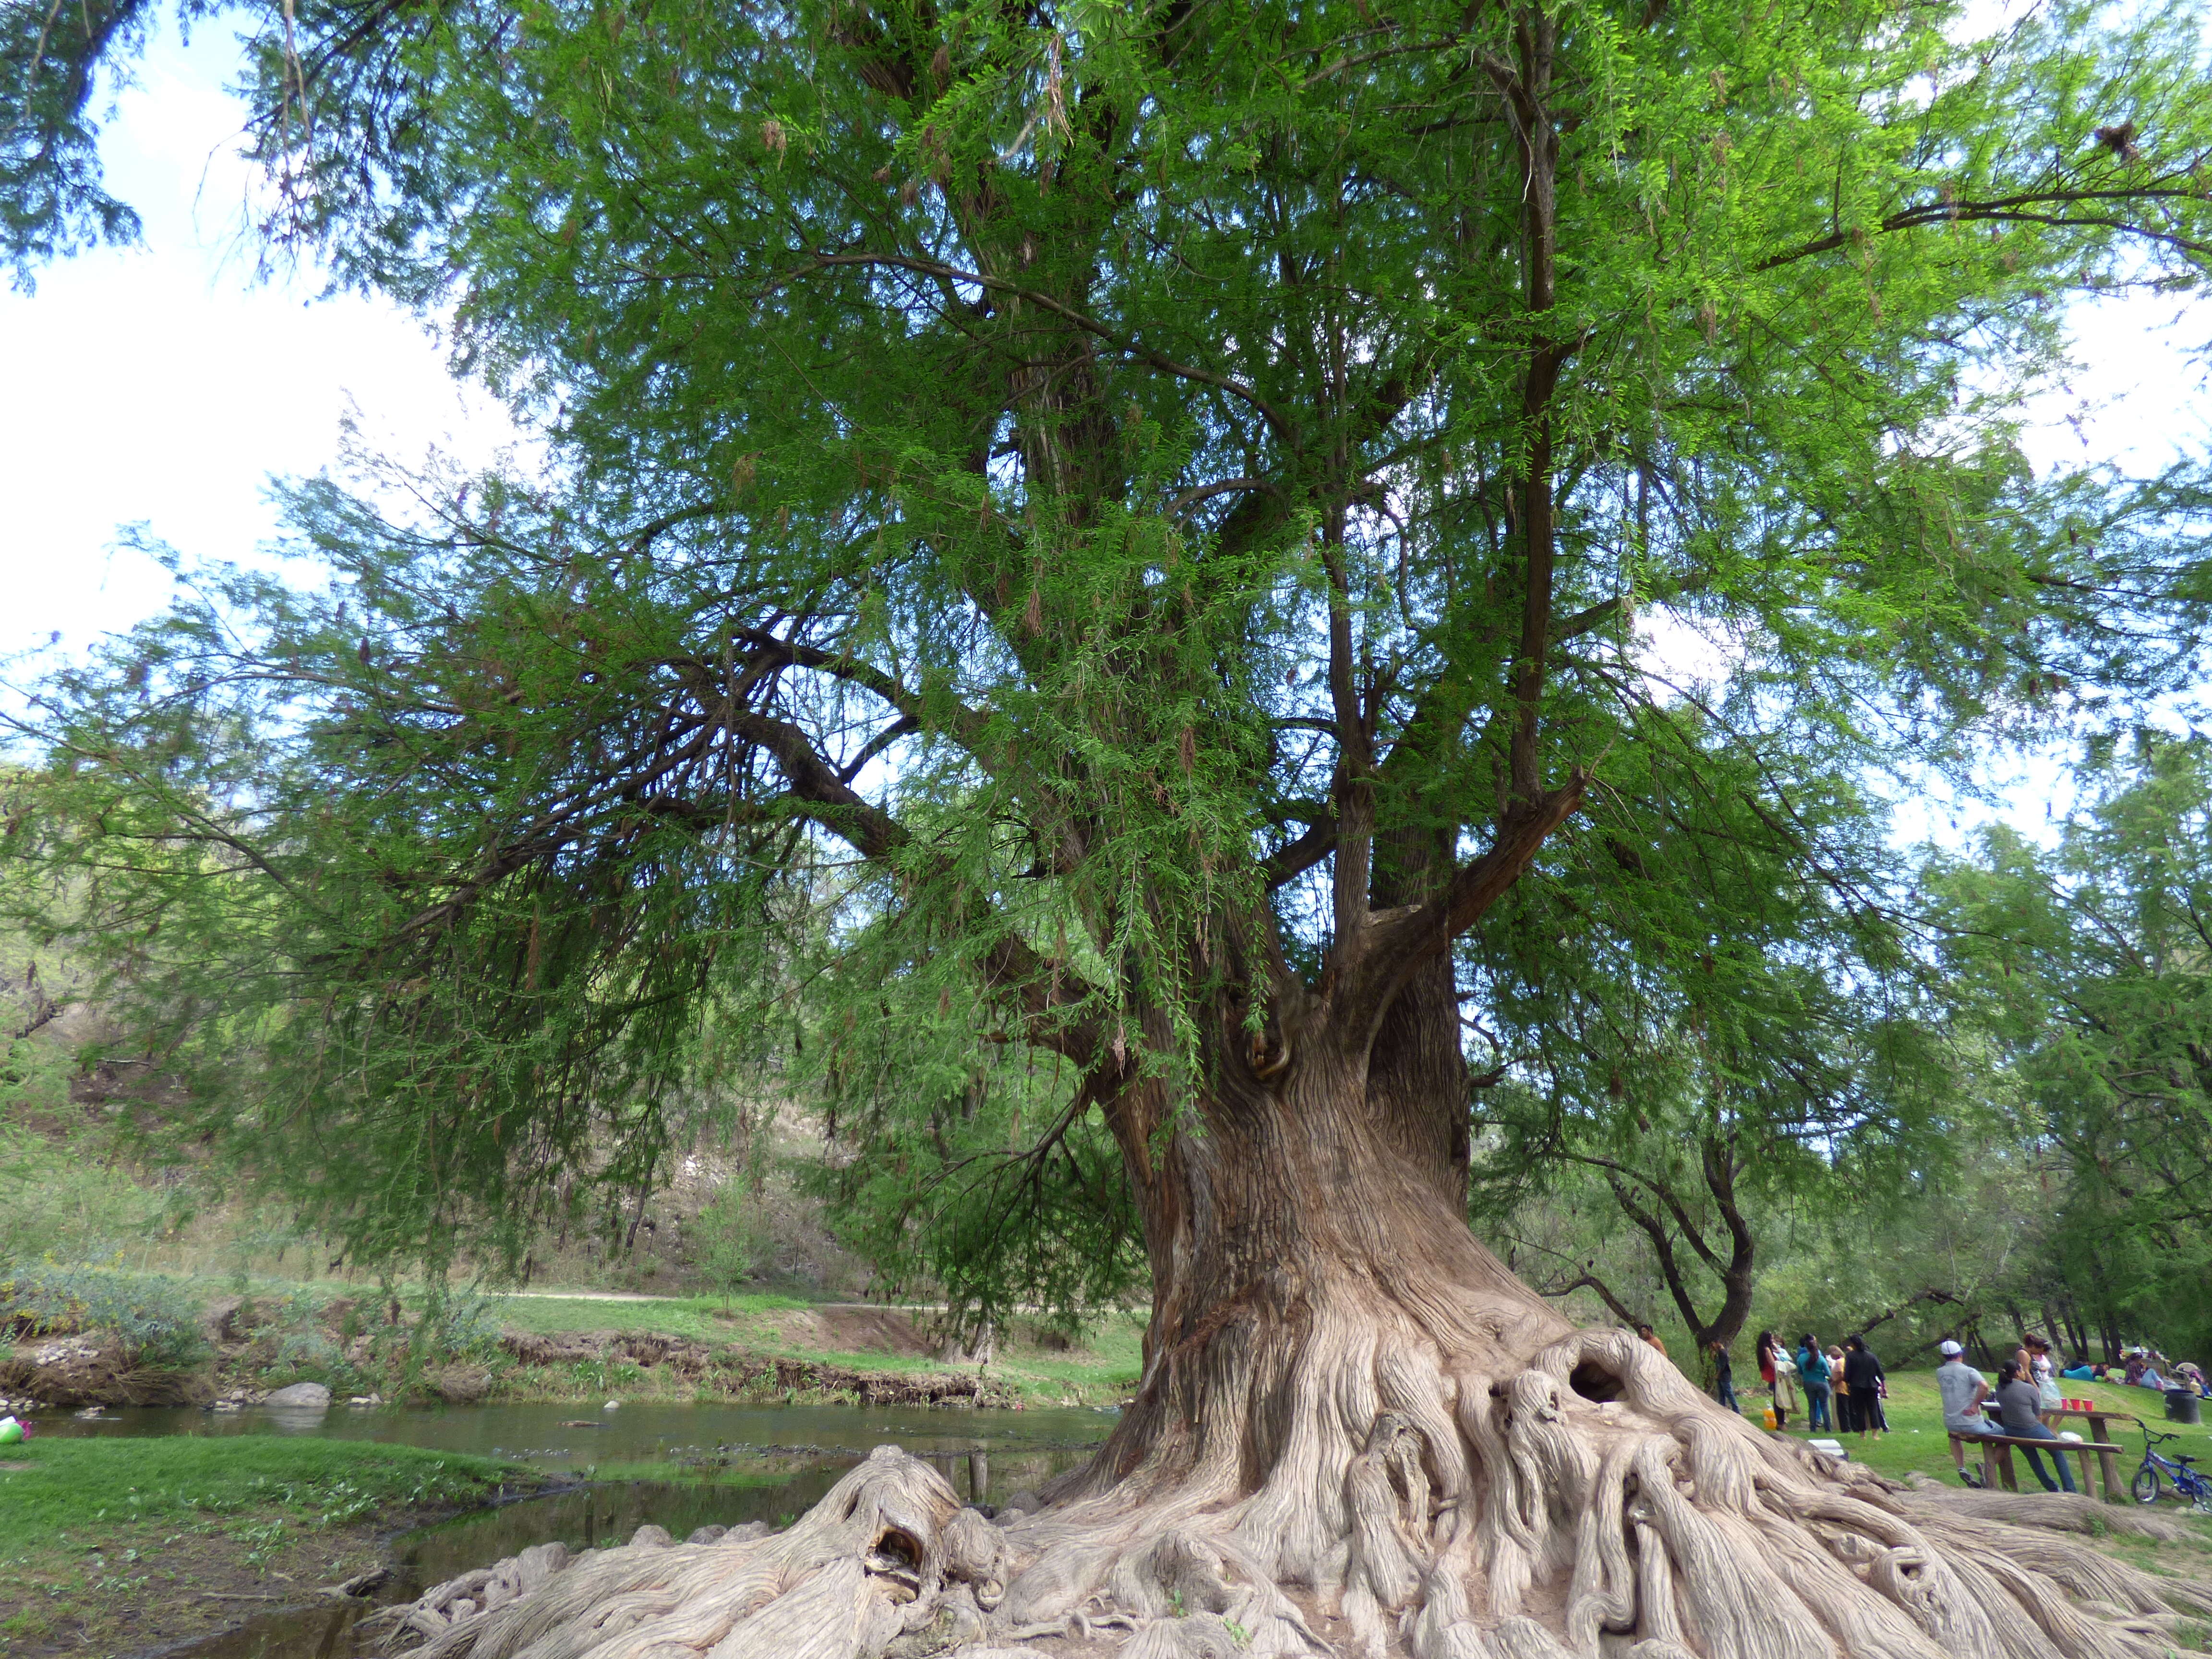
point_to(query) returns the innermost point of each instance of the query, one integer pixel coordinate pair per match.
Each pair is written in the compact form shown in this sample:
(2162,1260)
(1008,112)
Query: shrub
(57,1198)
(156,1318)
(731,1238)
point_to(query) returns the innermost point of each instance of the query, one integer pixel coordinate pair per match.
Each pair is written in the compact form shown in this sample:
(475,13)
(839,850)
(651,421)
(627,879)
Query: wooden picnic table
(2098,1417)
(1998,1469)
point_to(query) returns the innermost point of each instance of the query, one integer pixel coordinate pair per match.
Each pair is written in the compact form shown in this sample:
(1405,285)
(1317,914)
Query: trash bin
(2181,1406)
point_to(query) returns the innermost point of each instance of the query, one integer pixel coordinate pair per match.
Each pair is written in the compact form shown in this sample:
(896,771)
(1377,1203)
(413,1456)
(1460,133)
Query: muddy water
(723,1464)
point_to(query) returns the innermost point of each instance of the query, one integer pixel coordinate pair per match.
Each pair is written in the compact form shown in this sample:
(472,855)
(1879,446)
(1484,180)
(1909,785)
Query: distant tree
(729,1237)
(1135,522)
(1737,1037)
(2089,967)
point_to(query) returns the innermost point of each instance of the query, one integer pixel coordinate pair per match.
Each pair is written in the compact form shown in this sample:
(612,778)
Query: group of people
(1842,1385)
(2026,1389)
(2145,1368)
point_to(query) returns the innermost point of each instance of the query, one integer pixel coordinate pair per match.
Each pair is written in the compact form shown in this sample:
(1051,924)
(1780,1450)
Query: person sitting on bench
(1963,1389)
(2018,1403)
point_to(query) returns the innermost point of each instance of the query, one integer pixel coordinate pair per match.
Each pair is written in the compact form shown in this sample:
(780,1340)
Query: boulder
(227,1320)
(460,1385)
(301,1396)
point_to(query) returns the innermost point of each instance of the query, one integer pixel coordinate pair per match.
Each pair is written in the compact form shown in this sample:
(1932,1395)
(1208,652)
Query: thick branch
(1397,944)
(2016,209)
(1662,1247)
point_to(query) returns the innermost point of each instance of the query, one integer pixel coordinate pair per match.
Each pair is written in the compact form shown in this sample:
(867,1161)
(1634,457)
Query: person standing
(1863,1372)
(1782,1379)
(2043,1372)
(1847,1418)
(1646,1333)
(1724,1375)
(1963,1389)
(1813,1372)
(2020,1408)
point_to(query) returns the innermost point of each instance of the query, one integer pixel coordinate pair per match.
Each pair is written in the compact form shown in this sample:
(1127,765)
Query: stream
(673,1466)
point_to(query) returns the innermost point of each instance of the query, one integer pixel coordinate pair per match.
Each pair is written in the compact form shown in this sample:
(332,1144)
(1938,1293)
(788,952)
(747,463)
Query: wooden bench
(1997,1465)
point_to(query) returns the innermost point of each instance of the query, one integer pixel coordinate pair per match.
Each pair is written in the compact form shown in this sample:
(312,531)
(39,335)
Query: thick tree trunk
(1357,1434)
(1301,1241)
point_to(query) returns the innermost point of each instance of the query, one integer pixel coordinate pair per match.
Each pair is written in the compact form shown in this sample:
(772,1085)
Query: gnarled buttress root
(1587,1503)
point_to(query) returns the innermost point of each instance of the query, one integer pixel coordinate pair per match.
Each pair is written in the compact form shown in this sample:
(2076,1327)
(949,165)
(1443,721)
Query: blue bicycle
(2188,1485)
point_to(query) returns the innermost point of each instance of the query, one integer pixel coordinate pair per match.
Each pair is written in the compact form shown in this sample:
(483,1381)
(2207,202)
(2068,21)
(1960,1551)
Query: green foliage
(2088,970)
(63,1197)
(1706,1031)
(51,201)
(1056,520)
(156,1318)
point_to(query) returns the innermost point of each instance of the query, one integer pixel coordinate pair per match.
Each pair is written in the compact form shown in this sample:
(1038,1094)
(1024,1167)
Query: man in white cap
(1963,1389)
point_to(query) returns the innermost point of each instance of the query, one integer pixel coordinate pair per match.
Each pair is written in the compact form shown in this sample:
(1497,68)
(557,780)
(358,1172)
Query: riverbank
(111,1546)
(779,1351)
(227,1344)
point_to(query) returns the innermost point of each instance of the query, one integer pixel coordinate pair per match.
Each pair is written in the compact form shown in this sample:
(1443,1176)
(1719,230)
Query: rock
(227,1320)
(461,1385)
(611,1406)
(365,1399)
(218,1319)
(650,1537)
(301,1396)
(707,1535)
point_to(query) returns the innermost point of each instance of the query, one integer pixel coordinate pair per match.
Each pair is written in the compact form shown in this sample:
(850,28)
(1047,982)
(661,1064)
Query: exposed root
(2059,1512)
(1589,1503)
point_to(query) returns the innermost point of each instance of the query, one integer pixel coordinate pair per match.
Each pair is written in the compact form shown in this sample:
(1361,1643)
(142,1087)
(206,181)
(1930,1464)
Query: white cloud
(161,384)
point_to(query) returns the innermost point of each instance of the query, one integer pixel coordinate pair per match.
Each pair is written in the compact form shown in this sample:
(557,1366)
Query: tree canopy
(1056,520)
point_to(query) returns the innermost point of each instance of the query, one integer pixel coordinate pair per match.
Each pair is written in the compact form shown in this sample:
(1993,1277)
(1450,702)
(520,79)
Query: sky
(163,384)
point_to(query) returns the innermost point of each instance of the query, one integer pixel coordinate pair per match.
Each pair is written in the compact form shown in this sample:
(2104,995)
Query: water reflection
(792,1457)
(556,1437)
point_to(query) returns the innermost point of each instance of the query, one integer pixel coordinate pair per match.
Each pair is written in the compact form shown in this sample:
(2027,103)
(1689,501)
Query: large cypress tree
(1138,516)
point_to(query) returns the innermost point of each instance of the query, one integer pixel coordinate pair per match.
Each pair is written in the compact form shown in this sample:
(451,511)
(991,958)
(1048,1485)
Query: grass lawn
(700,1317)
(108,1545)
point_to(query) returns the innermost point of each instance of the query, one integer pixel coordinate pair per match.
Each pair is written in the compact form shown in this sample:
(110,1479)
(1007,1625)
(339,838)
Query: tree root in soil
(1590,1503)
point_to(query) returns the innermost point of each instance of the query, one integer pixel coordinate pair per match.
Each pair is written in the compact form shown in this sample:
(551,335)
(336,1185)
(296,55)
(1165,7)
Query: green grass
(81,1486)
(696,1316)
(1107,1366)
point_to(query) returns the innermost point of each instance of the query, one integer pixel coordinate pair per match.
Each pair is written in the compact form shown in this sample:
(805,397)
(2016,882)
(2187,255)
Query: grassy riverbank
(111,1545)
(777,1348)
(228,1339)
